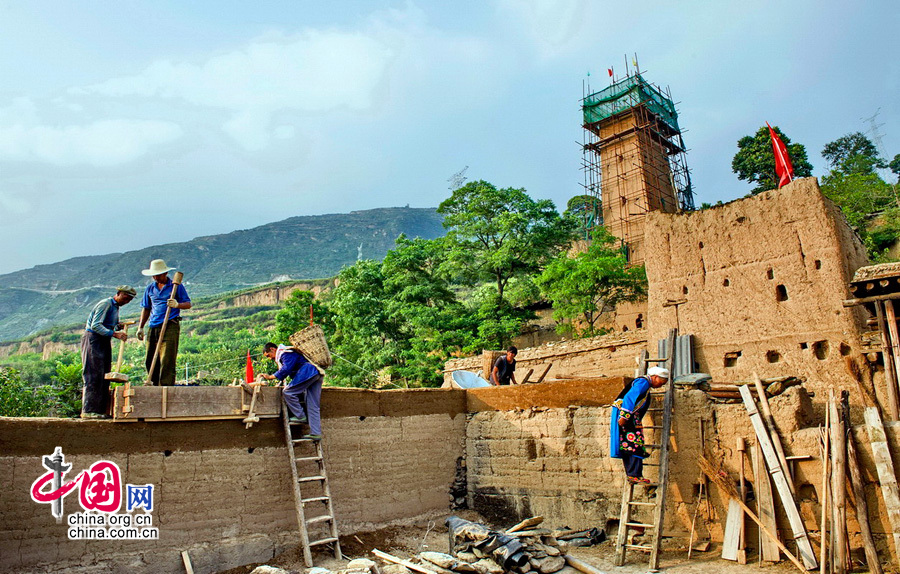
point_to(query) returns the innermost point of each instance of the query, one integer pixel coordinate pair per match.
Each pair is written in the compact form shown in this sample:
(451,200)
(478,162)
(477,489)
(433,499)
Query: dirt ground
(407,540)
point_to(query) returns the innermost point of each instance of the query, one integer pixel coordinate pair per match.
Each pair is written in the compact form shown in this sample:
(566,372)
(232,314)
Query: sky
(126,124)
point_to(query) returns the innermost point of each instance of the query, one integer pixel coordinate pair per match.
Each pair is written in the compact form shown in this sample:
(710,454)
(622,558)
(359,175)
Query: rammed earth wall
(223,492)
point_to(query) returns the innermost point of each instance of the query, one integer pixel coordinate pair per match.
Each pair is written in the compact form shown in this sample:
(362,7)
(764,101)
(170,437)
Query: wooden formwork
(174,403)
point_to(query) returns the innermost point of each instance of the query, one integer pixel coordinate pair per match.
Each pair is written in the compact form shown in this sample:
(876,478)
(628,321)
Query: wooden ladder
(627,520)
(317,479)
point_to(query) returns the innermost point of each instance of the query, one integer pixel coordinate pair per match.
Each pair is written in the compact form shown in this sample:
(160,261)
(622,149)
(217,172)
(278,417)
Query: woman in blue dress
(626,433)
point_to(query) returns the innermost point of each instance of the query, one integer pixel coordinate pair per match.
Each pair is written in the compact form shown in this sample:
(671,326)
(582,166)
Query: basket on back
(311,342)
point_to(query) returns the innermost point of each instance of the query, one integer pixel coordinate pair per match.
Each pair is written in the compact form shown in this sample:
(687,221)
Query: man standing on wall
(96,351)
(305,378)
(157,297)
(504,368)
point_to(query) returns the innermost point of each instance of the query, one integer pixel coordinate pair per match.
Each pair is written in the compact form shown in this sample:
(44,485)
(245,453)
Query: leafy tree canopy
(755,161)
(895,166)
(294,315)
(853,154)
(584,286)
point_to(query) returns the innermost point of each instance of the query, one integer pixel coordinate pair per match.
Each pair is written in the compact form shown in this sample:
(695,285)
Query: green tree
(755,161)
(398,319)
(294,315)
(496,235)
(584,286)
(895,166)
(19,399)
(67,385)
(853,154)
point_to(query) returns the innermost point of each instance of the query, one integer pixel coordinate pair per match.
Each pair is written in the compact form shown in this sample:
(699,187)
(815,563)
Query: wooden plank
(389,558)
(773,430)
(801,538)
(180,402)
(890,376)
(765,506)
(890,491)
(624,518)
(732,538)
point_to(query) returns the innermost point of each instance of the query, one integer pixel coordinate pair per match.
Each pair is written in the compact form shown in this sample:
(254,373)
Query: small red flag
(783,166)
(249,373)
(610,72)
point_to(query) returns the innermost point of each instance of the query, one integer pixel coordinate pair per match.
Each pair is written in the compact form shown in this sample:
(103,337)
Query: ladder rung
(322,541)
(639,525)
(315,499)
(656,360)
(296,440)
(639,547)
(310,478)
(307,458)
(647,484)
(317,519)
(654,409)
(635,503)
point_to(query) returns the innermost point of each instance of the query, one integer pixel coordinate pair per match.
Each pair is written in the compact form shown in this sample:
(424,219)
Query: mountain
(303,247)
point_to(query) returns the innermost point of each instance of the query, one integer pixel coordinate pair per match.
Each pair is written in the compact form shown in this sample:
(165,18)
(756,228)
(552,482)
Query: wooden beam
(859,493)
(876,298)
(890,375)
(782,486)
(838,492)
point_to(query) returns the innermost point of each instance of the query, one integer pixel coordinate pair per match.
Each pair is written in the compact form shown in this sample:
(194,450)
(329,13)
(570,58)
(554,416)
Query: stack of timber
(182,402)
(728,392)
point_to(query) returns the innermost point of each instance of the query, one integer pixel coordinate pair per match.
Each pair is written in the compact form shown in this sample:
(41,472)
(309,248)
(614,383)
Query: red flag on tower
(783,166)
(610,72)
(249,373)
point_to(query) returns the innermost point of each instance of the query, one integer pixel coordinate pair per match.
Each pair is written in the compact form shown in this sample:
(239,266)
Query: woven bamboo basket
(311,342)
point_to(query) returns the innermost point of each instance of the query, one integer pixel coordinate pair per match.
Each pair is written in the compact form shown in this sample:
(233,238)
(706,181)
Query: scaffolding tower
(634,158)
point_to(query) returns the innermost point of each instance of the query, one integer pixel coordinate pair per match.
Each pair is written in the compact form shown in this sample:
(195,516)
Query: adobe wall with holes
(759,282)
(223,492)
(609,355)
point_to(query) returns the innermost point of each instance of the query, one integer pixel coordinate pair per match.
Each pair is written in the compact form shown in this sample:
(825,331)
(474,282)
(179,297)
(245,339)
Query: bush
(19,399)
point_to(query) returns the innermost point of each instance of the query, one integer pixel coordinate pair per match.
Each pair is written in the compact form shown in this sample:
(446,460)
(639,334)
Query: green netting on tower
(626,94)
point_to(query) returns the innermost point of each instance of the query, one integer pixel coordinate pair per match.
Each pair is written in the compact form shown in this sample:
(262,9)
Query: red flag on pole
(610,72)
(783,166)
(249,373)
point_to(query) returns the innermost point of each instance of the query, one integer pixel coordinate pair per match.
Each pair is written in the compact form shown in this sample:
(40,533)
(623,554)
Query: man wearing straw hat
(305,378)
(157,297)
(96,351)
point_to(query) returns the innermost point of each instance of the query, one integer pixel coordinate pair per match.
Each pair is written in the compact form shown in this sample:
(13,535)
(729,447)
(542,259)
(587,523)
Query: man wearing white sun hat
(157,297)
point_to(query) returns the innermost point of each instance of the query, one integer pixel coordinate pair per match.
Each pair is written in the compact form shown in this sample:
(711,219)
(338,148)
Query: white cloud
(312,72)
(100,144)
(550,24)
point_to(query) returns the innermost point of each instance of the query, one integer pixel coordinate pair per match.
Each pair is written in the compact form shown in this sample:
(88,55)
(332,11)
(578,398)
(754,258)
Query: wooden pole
(742,544)
(891,320)
(773,430)
(890,376)
(859,493)
(838,490)
(825,493)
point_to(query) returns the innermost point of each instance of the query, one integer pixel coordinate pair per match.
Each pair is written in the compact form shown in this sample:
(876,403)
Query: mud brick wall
(223,492)
(605,356)
(762,280)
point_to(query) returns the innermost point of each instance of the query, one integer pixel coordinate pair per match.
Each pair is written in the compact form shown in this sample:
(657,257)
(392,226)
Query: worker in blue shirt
(305,378)
(96,351)
(157,297)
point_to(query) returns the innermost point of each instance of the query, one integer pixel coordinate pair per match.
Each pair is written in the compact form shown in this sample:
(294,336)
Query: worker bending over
(305,378)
